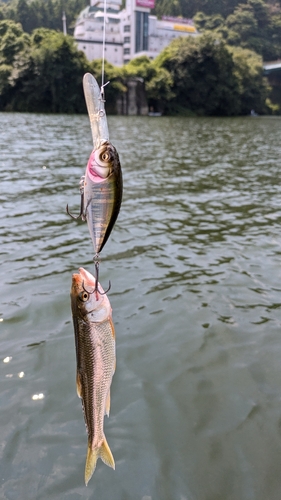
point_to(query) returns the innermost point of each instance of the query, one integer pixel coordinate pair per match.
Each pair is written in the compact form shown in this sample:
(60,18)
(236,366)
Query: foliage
(255,25)
(13,43)
(252,24)
(207,77)
(188,8)
(217,73)
(42,13)
(253,87)
(46,76)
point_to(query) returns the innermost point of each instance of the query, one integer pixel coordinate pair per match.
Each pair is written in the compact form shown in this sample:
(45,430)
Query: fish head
(87,302)
(103,162)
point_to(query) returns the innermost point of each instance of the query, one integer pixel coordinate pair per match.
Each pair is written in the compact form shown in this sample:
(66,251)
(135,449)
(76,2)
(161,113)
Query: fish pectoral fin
(112,328)
(104,453)
(78,385)
(107,404)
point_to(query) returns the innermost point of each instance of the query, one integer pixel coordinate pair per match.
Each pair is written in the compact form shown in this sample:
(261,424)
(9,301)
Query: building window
(126,51)
(127,27)
(127,39)
(141,31)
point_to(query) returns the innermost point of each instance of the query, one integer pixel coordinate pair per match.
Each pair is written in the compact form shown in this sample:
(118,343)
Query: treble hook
(81,213)
(96,289)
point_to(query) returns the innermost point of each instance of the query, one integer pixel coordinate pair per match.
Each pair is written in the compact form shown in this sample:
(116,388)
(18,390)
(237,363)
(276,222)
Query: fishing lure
(101,187)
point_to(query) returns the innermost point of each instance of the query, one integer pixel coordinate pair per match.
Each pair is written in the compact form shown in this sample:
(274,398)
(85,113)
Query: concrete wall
(133,102)
(274,80)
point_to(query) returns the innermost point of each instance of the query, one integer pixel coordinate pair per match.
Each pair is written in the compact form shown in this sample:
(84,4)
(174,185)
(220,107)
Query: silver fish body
(103,188)
(96,361)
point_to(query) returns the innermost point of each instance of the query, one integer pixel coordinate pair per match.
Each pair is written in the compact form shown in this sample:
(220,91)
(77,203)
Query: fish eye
(83,296)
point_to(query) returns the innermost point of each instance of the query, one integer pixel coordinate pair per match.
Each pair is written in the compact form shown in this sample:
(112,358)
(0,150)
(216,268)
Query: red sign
(150,4)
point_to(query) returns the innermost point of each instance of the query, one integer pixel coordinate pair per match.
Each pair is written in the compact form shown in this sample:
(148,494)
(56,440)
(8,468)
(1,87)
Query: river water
(195,266)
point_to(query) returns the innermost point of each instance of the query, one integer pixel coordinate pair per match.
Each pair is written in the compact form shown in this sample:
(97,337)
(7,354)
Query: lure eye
(105,156)
(83,296)
(102,158)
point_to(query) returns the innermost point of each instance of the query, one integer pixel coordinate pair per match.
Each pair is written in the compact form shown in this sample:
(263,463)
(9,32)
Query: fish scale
(96,353)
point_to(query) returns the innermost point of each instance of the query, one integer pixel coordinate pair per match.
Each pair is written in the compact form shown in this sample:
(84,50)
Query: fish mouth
(86,279)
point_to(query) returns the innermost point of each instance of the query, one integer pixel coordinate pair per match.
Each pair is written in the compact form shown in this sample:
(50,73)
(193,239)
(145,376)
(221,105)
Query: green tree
(201,70)
(49,78)
(254,25)
(26,15)
(243,22)
(168,7)
(205,76)
(33,14)
(253,87)
(188,8)
(13,43)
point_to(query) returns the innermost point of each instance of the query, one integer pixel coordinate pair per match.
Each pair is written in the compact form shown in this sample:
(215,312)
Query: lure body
(102,193)
(103,184)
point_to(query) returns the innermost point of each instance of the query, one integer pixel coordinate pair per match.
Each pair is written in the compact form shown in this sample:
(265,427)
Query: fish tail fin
(91,462)
(104,453)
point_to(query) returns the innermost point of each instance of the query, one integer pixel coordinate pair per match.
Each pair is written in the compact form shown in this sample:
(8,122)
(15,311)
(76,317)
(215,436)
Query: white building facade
(129,32)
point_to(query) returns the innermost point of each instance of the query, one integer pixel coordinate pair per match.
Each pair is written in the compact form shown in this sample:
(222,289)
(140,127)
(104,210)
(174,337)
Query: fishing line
(103,51)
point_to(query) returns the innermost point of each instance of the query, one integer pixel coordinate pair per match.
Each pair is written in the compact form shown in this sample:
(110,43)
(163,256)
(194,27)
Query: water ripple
(194,262)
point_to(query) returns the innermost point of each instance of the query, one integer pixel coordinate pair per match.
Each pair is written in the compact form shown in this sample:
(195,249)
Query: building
(129,32)
(272,70)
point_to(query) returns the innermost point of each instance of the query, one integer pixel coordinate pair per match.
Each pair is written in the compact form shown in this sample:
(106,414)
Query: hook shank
(96,289)
(81,213)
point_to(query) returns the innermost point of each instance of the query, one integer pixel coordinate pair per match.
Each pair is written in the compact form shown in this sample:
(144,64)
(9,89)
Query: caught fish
(96,361)
(103,184)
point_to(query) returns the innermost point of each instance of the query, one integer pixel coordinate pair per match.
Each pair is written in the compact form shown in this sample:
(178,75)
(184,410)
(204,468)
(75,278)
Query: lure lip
(96,111)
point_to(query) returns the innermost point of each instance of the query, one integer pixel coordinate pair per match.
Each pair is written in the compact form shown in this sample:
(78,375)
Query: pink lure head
(100,164)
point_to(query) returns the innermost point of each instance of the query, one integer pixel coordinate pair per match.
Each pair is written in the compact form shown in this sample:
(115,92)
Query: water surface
(194,262)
